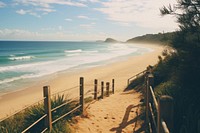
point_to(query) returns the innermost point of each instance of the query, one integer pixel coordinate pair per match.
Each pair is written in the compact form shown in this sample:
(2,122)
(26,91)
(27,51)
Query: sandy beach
(120,71)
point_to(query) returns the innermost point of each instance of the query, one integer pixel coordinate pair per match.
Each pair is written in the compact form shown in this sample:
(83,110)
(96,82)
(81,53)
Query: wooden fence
(135,77)
(47,117)
(159,112)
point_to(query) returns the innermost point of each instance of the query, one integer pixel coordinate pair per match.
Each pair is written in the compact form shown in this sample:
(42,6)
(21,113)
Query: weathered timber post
(102,89)
(95,89)
(145,90)
(107,88)
(165,112)
(113,86)
(82,94)
(150,81)
(128,82)
(47,107)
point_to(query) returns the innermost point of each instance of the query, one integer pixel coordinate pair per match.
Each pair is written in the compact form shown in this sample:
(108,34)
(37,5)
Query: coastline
(120,71)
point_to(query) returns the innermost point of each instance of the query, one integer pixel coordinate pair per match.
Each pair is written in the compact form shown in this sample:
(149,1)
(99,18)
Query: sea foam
(21,57)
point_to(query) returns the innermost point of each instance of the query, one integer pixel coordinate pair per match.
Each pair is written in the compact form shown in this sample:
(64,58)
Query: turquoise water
(22,61)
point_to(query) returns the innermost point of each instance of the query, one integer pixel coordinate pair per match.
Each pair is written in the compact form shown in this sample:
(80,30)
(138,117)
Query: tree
(187,13)
(187,44)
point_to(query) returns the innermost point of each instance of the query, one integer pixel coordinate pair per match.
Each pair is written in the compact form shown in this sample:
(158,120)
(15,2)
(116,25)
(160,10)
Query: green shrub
(166,88)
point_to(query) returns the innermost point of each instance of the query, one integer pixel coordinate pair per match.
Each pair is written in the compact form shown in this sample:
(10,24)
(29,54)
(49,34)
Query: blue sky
(82,19)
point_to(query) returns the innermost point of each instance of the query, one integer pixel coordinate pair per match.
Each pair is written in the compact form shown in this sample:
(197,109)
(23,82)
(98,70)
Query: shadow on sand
(125,121)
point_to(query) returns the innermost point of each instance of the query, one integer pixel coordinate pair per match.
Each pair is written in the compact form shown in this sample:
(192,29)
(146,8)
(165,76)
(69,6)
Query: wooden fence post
(147,100)
(95,89)
(107,88)
(128,82)
(47,107)
(113,86)
(82,94)
(146,80)
(102,89)
(165,112)
(150,82)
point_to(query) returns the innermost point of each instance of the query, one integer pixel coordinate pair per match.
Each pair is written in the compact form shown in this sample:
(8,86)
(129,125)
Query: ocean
(24,62)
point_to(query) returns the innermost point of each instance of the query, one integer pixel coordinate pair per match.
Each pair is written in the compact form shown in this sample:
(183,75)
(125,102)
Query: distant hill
(163,38)
(110,40)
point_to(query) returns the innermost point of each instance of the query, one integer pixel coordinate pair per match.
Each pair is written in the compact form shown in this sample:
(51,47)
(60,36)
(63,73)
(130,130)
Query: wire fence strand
(65,103)
(64,90)
(66,114)
(34,123)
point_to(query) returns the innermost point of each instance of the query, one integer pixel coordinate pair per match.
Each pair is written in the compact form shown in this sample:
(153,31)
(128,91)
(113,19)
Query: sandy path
(118,113)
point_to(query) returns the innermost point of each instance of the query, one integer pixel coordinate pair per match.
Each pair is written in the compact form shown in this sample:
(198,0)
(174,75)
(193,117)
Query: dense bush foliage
(178,74)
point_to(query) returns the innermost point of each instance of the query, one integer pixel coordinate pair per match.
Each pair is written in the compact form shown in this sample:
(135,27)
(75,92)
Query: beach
(120,71)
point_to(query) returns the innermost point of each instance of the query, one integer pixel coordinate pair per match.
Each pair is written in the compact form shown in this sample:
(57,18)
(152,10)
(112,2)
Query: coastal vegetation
(160,38)
(22,120)
(177,72)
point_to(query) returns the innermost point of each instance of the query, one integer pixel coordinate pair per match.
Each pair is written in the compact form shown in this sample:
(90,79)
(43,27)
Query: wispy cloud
(48,3)
(21,12)
(46,6)
(83,17)
(19,34)
(144,13)
(68,19)
(87,26)
(2,4)
(93,1)
(46,10)
(86,17)
(30,12)
(16,34)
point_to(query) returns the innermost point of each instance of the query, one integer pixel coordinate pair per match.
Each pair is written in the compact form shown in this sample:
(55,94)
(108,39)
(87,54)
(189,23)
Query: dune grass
(22,120)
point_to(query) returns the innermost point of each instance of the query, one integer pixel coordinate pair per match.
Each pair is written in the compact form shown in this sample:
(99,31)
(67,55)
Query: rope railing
(76,98)
(135,76)
(154,98)
(72,88)
(89,92)
(86,85)
(44,130)
(164,127)
(66,114)
(34,123)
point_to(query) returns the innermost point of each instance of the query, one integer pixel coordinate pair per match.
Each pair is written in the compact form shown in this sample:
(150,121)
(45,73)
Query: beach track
(119,113)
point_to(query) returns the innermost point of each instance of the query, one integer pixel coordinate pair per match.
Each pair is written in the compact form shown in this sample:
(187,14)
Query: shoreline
(119,70)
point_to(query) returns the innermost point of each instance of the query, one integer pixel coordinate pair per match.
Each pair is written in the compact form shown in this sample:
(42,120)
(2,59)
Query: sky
(82,20)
